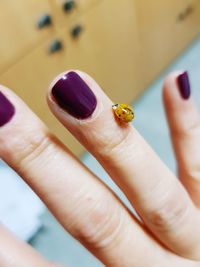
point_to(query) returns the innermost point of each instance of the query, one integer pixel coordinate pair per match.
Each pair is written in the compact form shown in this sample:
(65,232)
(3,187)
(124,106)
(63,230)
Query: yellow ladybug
(124,112)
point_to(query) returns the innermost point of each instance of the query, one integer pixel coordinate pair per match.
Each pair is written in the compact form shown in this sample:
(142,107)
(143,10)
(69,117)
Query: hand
(169,231)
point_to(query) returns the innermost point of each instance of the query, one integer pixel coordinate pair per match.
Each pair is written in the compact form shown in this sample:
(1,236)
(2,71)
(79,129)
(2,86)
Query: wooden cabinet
(18,28)
(165,29)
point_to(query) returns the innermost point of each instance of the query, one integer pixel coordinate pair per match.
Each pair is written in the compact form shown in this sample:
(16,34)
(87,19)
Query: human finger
(15,253)
(184,123)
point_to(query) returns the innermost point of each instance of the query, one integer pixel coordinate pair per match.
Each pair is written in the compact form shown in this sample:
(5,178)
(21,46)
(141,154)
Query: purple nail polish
(184,85)
(73,95)
(7,110)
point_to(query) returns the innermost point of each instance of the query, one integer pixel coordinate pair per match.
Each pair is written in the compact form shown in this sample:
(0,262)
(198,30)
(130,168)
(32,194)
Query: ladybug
(123,112)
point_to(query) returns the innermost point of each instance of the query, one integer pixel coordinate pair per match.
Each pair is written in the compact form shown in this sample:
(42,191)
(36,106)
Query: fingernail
(7,110)
(74,96)
(184,85)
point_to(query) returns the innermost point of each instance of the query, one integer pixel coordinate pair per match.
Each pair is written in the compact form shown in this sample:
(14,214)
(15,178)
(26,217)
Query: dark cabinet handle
(69,5)
(55,46)
(44,21)
(189,10)
(186,13)
(181,17)
(76,30)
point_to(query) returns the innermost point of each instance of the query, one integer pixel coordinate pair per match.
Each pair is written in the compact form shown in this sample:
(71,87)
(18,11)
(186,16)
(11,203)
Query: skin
(169,234)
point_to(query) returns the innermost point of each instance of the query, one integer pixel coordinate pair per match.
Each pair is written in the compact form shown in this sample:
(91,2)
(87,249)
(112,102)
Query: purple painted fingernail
(7,110)
(184,85)
(73,95)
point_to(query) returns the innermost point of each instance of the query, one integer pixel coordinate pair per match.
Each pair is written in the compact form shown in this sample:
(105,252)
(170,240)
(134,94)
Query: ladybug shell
(124,112)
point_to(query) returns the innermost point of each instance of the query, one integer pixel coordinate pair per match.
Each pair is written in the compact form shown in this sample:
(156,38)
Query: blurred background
(128,46)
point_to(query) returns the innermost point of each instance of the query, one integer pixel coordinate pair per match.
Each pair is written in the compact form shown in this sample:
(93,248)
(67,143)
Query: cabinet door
(30,79)
(165,29)
(18,28)
(107,48)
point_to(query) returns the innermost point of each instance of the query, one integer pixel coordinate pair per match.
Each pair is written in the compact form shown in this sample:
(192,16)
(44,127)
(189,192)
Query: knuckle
(102,227)
(194,127)
(33,149)
(169,215)
(187,129)
(192,173)
(98,131)
(23,141)
(115,144)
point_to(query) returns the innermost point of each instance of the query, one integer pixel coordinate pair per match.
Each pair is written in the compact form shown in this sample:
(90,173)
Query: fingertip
(170,86)
(177,94)
(75,96)
(181,109)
